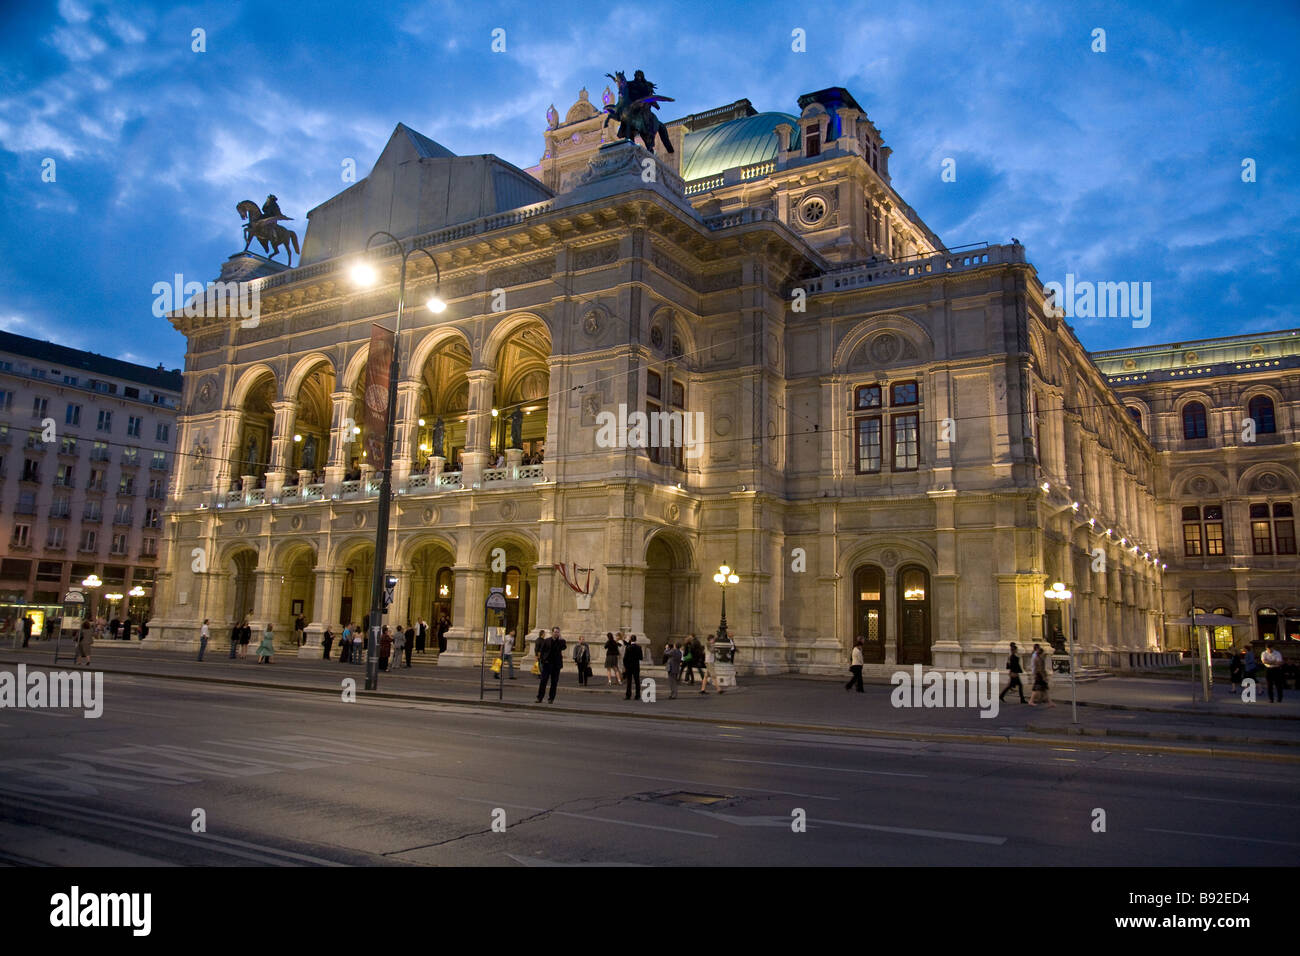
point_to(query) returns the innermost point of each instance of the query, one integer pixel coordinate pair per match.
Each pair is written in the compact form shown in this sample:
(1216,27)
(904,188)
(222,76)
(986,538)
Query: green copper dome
(740,142)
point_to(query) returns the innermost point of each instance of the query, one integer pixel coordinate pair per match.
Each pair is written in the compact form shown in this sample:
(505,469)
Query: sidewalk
(1130,713)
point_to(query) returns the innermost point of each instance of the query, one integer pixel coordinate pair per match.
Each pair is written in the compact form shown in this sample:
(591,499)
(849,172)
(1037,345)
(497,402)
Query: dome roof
(740,142)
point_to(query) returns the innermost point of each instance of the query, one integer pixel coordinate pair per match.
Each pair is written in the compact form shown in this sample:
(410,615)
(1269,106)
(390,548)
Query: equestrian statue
(264,225)
(634,110)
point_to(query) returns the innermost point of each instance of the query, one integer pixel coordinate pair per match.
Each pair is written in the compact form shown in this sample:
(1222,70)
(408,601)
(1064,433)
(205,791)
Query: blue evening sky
(1122,165)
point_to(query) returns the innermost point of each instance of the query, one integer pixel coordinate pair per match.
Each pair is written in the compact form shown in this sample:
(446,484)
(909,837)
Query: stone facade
(1224,418)
(897,440)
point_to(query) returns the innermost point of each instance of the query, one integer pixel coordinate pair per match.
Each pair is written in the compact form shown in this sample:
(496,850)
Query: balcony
(856,275)
(157,465)
(95,486)
(130,461)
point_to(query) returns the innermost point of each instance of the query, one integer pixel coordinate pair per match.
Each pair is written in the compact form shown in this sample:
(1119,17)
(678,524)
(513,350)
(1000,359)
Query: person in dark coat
(114,628)
(410,643)
(632,668)
(385,647)
(550,657)
(673,663)
(1236,669)
(27,629)
(443,627)
(126,629)
(1013,669)
(236,632)
(421,635)
(245,637)
(582,658)
(326,642)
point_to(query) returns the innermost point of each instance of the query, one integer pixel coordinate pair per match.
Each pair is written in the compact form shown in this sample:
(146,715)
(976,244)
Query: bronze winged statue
(263,224)
(634,110)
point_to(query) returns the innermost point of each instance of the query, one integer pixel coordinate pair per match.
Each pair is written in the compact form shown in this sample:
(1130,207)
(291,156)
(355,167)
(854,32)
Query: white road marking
(1238,802)
(1221,836)
(582,816)
(804,766)
(914,831)
(535,861)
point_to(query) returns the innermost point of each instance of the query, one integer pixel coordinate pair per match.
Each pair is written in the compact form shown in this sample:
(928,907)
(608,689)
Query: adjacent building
(86,454)
(884,437)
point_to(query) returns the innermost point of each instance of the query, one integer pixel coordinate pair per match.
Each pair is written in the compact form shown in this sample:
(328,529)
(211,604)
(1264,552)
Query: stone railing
(858,274)
(727,220)
(449,478)
(257,496)
(758,170)
(350,489)
(532,473)
(704,185)
(491,475)
(314,491)
(417,482)
(289,493)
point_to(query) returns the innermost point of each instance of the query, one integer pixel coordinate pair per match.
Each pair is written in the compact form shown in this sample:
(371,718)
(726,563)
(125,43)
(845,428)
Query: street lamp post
(1060,594)
(92,583)
(724,577)
(363,274)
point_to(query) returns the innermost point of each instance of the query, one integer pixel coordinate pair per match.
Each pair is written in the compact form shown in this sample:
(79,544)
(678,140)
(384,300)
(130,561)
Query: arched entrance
(310,450)
(669,584)
(298,593)
(433,585)
(518,576)
(242,585)
(521,393)
(256,425)
(869,612)
(913,615)
(443,405)
(358,568)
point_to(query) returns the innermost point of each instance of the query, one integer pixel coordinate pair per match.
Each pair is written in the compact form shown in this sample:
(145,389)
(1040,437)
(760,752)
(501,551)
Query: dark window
(1192,513)
(1261,411)
(653,384)
(868,396)
(1213,529)
(1136,415)
(904,393)
(1194,420)
(812,141)
(1284,528)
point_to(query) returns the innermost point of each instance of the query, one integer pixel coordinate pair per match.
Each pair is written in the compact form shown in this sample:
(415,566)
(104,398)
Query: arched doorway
(443,406)
(913,615)
(358,568)
(256,426)
(297,596)
(433,585)
(310,450)
(518,576)
(668,594)
(242,584)
(521,395)
(869,612)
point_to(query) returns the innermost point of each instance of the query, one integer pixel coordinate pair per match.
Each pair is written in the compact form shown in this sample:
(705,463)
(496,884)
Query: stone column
(266,607)
(478,434)
(286,414)
(326,603)
(464,639)
(342,440)
(408,397)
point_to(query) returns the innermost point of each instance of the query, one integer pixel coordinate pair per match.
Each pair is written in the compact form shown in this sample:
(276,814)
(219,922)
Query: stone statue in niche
(517,428)
(438,430)
(309,453)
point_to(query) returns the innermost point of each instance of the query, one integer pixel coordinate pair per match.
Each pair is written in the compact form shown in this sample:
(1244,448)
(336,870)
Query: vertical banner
(378,364)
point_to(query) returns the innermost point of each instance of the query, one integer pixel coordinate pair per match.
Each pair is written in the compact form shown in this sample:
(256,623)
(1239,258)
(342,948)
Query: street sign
(497,600)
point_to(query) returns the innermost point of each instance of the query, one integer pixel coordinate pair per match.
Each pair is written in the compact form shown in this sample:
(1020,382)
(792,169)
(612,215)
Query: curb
(1070,736)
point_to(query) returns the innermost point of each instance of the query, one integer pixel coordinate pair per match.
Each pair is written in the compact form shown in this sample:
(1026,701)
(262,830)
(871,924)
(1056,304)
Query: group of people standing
(1243,666)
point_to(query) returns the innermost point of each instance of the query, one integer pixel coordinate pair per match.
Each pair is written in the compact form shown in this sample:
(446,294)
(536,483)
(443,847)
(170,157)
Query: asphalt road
(290,778)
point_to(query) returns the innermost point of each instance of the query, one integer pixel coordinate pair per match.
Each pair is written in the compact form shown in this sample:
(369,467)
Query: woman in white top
(856,667)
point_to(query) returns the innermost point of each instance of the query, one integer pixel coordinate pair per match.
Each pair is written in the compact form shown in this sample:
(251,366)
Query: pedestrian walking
(410,642)
(358,646)
(550,656)
(1249,665)
(1039,667)
(126,629)
(236,630)
(1014,671)
(673,664)
(345,644)
(1236,670)
(266,649)
(611,660)
(300,630)
(85,640)
(710,669)
(245,637)
(114,629)
(582,659)
(689,660)
(507,655)
(632,668)
(28,623)
(204,634)
(326,642)
(385,647)
(399,647)
(855,666)
(1272,661)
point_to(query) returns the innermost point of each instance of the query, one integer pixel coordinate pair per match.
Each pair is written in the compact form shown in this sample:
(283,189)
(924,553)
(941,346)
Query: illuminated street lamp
(724,577)
(363,274)
(1060,594)
(92,583)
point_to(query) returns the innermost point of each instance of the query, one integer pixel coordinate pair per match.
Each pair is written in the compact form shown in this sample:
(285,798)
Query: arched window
(1135,413)
(1223,634)
(1194,421)
(869,612)
(1261,412)
(1266,619)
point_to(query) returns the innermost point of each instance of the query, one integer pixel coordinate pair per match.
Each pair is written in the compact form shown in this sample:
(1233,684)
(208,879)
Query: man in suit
(550,655)
(632,668)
